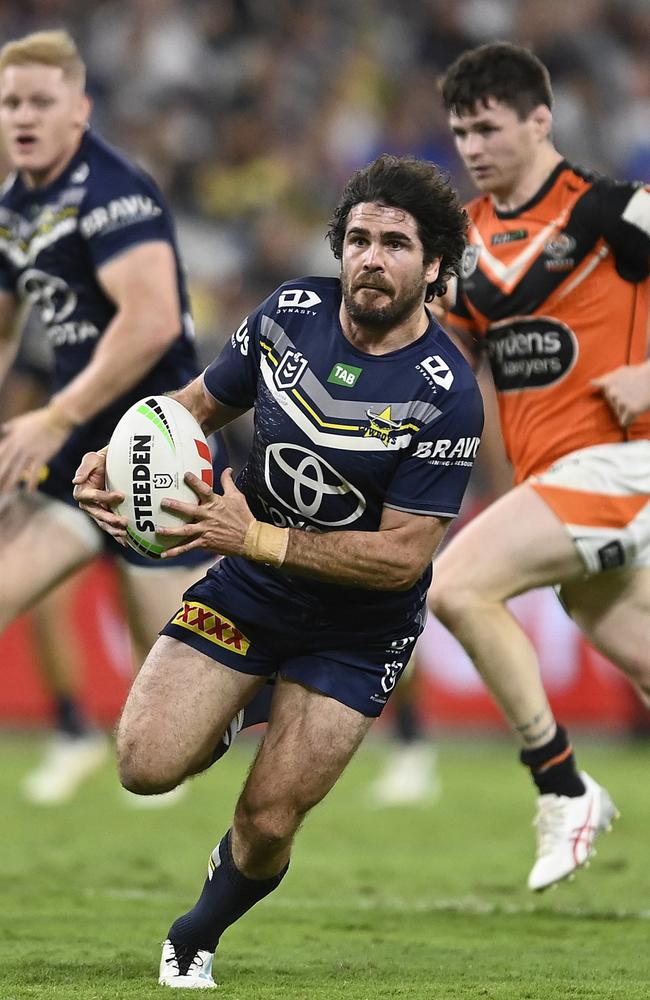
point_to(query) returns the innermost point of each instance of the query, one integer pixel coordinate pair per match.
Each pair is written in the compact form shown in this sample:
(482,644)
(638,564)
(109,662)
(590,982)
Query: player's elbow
(166,327)
(157,331)
(403,574)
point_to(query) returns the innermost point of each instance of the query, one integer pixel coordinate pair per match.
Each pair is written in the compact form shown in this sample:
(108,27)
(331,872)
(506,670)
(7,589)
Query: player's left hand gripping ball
(155,443)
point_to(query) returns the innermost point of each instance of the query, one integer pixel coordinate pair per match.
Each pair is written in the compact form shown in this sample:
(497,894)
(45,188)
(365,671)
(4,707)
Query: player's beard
(385,317)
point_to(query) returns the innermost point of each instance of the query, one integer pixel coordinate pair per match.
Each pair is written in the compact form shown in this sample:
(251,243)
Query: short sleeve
(433,476)
(233,376)
(120,213)
(619,211)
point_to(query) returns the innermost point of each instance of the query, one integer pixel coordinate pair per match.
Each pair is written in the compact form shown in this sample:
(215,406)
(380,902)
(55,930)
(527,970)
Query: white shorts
(602,496)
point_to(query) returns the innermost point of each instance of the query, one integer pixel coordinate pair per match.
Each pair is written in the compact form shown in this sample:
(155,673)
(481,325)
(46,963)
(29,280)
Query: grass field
(416,902)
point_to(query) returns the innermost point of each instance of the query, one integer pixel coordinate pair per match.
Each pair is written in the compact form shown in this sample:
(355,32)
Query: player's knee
(266,826)
(449,602)
(142,771)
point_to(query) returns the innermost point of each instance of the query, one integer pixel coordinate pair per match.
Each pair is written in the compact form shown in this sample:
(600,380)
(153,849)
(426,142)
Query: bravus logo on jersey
(445,451)
(530,352)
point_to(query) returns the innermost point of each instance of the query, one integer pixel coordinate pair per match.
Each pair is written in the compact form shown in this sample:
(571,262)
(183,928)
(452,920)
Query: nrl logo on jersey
(298,300)
(382,426)
(290,370)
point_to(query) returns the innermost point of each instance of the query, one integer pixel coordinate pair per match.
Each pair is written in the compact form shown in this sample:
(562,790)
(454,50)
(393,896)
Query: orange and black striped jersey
(559,290)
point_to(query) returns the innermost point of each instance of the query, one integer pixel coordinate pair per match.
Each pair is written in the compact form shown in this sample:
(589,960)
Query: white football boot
(182,967)
(566,831)
(410,777)
(68,761)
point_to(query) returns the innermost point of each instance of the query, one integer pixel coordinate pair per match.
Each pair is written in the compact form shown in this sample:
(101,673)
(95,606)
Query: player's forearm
(371,559)
(10,324)
(129,349)
(207,411)
(376,560)
(8,350)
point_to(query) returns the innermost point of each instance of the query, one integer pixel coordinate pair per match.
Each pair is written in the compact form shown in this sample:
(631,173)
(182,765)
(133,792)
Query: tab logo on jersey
(530,352)
(382,426)
(298,300)
(290,370)
(347,375)
(436,370)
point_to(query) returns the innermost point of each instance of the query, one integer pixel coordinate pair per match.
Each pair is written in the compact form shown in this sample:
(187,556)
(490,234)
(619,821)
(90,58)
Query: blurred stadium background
(251,116)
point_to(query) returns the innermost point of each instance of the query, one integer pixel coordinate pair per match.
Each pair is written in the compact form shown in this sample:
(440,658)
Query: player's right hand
(627,391)
(92,496)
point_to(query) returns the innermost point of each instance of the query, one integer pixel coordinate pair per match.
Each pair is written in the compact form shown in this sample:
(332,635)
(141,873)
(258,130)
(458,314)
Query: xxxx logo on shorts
(207,623)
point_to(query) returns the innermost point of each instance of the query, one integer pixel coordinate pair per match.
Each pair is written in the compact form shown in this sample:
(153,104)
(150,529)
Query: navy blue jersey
(340,434)
(54,239)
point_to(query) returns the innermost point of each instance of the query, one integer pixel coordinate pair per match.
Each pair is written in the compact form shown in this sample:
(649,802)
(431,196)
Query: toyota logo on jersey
(309,486)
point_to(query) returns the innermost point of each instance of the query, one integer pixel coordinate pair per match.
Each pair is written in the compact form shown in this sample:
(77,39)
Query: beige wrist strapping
(58,417)
(266,543)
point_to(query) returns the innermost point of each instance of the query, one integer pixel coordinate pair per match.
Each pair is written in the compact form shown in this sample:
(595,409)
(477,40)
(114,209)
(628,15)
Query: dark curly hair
(509,73)
(420,188)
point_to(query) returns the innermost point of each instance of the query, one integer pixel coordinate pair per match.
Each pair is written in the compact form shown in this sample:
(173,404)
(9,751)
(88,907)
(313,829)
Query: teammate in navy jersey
(87,240)
(367,422)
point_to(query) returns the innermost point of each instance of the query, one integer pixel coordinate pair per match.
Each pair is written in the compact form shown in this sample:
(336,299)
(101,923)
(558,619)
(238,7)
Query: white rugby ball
(154,444)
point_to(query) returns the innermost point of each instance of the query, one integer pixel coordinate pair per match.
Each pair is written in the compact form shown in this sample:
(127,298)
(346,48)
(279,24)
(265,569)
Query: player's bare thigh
(177,710)
(151,596)
(516,544)
(612,608)
(42,541)
(309,740)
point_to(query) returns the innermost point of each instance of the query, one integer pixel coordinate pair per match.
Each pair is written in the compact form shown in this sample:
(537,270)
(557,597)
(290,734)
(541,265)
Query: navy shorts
(246,628)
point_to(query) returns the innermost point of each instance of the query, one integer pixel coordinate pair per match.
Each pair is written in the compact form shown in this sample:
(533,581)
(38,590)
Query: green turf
(418,902)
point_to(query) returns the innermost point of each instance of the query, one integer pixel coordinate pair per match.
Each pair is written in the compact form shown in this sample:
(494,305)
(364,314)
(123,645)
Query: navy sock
(226,896)
(70,717)
(256,711)
(407,726)
(553,767)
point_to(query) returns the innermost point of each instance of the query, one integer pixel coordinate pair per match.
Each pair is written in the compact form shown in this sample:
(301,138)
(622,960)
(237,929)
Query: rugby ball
(154,444)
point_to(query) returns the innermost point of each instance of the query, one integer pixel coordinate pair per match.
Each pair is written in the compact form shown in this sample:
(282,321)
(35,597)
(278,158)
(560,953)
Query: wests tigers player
(554,287)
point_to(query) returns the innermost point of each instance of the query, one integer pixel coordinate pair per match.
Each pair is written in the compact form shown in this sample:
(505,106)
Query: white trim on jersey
(637,210)
(343,442)
(21,258)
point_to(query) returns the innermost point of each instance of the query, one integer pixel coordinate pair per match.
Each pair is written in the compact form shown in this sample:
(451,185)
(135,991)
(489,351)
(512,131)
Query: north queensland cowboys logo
(309,486)
(290,370)
(382,426)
